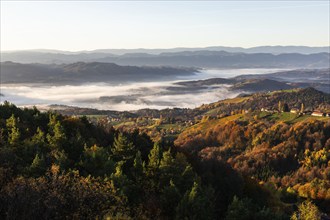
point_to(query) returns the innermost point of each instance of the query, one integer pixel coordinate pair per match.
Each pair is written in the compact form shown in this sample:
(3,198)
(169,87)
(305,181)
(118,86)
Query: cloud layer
(131,96)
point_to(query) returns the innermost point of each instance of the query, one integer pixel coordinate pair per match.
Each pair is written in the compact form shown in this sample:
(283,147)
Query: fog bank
(126,96)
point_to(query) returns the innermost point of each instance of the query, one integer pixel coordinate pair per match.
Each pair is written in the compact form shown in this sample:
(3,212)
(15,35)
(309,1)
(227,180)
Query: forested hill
(286,153)
(247,164)
(312,99)
(85,73)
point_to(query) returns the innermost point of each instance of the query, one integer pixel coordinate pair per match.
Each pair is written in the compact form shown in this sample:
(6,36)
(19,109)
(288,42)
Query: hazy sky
(88,25)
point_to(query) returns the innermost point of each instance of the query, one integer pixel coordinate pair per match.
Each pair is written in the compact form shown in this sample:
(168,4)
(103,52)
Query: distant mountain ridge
(96,72)
(200,59)
(259,49)
(82,72)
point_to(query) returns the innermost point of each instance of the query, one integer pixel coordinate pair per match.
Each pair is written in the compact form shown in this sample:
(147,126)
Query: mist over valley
(210,110)
(125,95)
(113,87)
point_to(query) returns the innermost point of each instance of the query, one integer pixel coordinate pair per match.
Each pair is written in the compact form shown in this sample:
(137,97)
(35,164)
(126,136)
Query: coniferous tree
(167,169)
(167,160)
(184,172)
(120,179)
(152,170)
(96,161)
(38,166)
(56,136)
(154,157)
(197,203)
(39,137)
(38,141)
(123,149)
(138,165)
(239,209)
(169,199)
(2,138)
(13,132)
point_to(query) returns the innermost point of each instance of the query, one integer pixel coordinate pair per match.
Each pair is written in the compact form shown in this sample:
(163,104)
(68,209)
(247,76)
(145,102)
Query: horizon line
(168,48)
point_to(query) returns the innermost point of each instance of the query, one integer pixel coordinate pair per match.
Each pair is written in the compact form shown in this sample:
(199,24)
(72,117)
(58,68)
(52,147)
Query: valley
(267,151)
(165,110)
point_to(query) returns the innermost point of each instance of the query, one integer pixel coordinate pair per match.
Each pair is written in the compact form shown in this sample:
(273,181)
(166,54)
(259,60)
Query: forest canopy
(244,166)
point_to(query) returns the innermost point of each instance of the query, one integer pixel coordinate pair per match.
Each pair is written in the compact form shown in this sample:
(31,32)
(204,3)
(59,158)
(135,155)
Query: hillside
(161,163)
(283,151)
(206,82)
(85,72)
(300,78)
(294,76)
(287,152)
(311,98)
(257,85)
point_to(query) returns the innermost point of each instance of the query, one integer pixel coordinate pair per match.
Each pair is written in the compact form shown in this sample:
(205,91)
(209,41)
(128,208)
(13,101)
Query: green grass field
(93,116)
(283,116)
(235,100)
(204,125)
(125,123)
(287,90)
(288,117)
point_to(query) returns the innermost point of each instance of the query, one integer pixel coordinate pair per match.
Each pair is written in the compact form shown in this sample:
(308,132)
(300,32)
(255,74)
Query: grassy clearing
(290,118)
(235,100)
(169,126)
(93,116)
(320,118)
(207,124)
(212,112)
(286,90)
(283,116)
(264,114)
(126,123)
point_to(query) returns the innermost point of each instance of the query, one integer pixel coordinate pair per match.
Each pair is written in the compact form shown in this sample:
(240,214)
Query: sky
(90,25)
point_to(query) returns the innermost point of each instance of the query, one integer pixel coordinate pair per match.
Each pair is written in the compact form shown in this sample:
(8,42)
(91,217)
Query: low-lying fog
(126,96)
